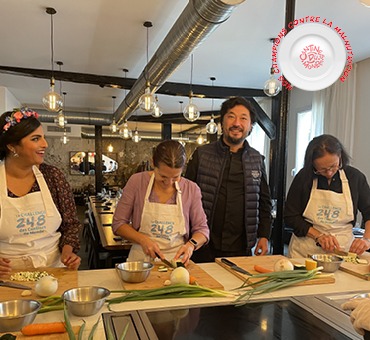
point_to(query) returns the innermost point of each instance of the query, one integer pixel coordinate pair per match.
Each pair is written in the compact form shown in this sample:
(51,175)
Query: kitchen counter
(109,279)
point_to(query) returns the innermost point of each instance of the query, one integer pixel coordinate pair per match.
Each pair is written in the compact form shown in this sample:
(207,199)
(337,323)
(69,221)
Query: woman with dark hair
(324,199)
(38,221)
(161,212)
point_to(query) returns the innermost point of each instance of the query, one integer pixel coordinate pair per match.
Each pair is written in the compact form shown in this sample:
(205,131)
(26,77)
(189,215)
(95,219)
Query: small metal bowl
(85,301)
(330,263)
(15,314)
(135,272)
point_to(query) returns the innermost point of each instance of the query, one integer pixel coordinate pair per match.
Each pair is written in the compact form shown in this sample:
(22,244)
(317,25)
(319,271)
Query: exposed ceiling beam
(168,88)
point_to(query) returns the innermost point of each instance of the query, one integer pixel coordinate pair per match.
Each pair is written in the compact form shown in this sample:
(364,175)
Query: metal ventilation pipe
(82,118)
(198,20)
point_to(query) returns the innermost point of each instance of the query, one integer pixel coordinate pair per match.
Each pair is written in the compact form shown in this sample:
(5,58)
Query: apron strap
(346,192)
(45,192)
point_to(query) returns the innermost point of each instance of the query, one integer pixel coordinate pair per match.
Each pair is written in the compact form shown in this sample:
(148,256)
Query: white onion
(180,275)
(282,265)
(46,286)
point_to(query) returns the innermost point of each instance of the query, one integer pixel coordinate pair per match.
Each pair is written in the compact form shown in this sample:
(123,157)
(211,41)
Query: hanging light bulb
(181,140)
(211,127)
(113,127)
(64,139)
(272,86)
(156,113)
(110,148)
(52,100)
(191,111)
(366,3)
(136,137)
(125,131)
(200,139)
(61,120)
(147,100)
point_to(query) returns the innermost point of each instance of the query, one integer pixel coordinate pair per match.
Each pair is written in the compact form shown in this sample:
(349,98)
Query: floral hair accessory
(17,116)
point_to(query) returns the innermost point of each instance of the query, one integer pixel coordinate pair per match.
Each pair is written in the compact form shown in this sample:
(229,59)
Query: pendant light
(113,127)
(136,137)
(181,140)
(200,139)
(272,86)
(64,139)
(366,3)
(110,148)
(147,100)
(60,120)
(191,111)
(157,112)
(211,127)
(52,100)
(124,131)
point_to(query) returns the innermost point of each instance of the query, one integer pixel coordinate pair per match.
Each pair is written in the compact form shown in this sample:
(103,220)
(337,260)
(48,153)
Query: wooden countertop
(108,278)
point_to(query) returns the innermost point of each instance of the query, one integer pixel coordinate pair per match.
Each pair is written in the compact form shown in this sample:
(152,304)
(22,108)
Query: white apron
(28,226)
(330,213)
(163,223)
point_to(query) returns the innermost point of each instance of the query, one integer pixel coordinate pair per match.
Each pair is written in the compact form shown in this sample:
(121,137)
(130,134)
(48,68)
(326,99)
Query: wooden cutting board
(156,278)
(268,262)
(66,279)
(356,269)
(56,336)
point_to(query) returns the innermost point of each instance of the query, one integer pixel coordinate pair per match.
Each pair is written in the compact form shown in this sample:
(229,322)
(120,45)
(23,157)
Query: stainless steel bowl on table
(134,272)
(330,263)
(15,314)
(85,301)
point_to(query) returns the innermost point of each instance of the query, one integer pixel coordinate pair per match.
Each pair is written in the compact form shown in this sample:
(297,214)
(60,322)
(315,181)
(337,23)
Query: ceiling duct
(82,118)
(199,19)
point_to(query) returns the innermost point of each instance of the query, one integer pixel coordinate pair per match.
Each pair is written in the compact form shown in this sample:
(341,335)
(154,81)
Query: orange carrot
(192,280)
(260,269)
(44,328)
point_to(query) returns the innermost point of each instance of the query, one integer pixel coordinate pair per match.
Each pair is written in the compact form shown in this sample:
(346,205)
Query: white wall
(361,150)
(299,101)
(7,101)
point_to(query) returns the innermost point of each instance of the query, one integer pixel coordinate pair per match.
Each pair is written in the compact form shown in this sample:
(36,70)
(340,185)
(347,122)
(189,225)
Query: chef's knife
(233,266)
(13,285)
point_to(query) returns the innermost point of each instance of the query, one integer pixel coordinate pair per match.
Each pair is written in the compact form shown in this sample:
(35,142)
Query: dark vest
(212,158)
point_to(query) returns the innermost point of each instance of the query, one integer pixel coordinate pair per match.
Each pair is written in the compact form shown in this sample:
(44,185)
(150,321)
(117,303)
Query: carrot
(192,280)
(44,328)
(261,269)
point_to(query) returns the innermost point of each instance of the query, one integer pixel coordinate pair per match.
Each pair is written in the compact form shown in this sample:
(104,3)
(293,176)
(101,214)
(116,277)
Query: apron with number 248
(163,223)
(330,213)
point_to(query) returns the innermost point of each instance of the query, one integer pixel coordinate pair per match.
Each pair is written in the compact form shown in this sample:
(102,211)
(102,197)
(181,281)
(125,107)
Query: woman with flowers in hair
(38,220)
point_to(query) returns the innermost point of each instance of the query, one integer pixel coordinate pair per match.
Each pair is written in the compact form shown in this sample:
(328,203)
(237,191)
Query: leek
(168,292)
(273,281)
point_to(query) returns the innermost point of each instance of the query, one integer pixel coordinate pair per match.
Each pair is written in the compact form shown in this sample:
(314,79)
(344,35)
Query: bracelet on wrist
(317,237)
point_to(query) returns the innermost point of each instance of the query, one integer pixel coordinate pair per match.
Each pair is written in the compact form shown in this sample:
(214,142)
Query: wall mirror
(83,163)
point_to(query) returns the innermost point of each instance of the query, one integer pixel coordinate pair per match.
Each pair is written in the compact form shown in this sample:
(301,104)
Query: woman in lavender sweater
(161,212)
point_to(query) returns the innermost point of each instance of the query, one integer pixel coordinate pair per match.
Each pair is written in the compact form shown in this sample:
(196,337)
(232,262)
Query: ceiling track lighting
(113,127)
(211,127)
(272,86)
(191,111)
(52,100)
(147,101)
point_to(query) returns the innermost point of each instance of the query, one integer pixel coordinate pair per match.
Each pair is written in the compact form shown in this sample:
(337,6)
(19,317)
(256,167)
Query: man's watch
(194,243)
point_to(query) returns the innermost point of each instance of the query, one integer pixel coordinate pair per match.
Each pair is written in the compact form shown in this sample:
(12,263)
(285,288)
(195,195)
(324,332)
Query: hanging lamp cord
(52,44)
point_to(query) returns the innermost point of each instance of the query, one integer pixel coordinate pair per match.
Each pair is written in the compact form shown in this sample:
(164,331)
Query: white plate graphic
(312,56)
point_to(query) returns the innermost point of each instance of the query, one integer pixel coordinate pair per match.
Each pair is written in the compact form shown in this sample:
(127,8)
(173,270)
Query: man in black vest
(235,194)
